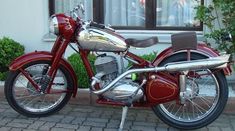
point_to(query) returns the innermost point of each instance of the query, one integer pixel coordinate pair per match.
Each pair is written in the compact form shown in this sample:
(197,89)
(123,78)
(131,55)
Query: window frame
(150,15)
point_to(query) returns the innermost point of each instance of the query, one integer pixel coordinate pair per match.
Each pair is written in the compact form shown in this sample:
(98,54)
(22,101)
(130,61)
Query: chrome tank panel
(101,40)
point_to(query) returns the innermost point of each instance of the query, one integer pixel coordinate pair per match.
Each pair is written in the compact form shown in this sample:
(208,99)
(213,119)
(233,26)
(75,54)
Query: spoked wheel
(205,98)
(25,99)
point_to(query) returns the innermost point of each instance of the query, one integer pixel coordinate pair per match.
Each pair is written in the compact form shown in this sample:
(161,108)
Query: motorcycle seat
(142,43)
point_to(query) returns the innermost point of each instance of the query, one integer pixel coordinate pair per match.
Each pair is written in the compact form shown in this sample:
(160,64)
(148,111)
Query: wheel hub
(31,88)
(192,89)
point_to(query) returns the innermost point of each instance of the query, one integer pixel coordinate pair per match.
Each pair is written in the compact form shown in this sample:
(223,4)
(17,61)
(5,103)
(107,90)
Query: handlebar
(74,13)
(97,25)
(101,26)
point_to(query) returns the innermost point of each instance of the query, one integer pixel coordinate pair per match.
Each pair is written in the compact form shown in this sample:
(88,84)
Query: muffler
(210,63)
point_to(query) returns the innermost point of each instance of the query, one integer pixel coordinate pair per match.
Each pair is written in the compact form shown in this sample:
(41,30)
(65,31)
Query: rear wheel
(26,100)
(206,97)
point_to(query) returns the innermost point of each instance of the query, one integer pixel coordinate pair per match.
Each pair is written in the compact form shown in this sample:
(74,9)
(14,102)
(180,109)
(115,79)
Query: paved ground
(89,118)
(77,116)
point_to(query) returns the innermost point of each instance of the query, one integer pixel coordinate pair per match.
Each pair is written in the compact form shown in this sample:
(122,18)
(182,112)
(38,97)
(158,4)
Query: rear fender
(42,55)
(202,49)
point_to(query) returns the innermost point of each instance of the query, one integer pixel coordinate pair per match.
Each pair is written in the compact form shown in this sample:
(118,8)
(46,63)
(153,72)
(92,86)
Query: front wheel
(26,100)
(206,97)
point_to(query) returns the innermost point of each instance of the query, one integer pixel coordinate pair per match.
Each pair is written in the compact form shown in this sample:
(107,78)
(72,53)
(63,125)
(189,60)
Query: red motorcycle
(185,85)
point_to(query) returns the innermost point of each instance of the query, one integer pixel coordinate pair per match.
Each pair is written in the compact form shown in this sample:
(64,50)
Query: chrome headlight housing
(54,25)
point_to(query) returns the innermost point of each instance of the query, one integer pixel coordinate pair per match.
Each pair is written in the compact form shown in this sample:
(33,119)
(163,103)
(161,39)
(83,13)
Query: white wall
(25,21)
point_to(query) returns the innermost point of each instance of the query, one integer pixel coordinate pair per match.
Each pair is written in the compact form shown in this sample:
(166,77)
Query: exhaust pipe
(210,63)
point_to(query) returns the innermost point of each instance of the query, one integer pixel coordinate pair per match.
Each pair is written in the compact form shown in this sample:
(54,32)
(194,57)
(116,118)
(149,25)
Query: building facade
(26,21)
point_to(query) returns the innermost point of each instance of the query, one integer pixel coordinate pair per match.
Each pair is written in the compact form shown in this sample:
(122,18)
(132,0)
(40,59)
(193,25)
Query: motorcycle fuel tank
(95,39)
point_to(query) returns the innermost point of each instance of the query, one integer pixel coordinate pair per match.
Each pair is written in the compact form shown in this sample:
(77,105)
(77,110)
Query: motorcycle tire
(16,83)
(163,111)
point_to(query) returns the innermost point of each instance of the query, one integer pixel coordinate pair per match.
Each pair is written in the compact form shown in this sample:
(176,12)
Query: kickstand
(124,113)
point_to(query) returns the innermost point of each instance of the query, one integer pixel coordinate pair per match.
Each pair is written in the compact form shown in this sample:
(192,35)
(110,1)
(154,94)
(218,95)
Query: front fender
(202,49)
(43,55)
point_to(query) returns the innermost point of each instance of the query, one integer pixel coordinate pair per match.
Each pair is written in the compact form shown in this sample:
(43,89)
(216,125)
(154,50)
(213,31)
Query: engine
(106,68)
(124,90)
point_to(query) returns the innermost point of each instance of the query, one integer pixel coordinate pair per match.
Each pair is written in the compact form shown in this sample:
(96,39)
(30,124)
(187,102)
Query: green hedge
(149,57)
(9,50)
(78,66)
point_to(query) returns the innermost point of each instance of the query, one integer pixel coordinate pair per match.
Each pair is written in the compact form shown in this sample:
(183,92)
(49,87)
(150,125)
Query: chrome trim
(124,91)
(153,32)
(214,62)
(54,25)
(131,60)
(192,51)
(230,36)
(200,115)
(124,114)
(182,82)
(101,40)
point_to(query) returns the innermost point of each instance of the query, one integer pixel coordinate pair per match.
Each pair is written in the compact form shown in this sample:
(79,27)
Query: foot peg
(124,113)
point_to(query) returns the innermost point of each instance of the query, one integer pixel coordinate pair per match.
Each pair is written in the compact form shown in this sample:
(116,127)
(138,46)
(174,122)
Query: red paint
(141,61)
(67,26)
(162,89)
(107,102)
(201,48)
(103,101)
(56,61)
(42,55)
(57,45)
(29,79)
(84,56)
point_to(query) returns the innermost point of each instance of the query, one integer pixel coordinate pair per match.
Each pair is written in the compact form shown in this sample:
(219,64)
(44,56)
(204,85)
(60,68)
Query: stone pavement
(96,118)
(79,115)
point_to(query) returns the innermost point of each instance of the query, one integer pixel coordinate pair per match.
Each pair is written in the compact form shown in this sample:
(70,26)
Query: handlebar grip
(227,37)
(97,25)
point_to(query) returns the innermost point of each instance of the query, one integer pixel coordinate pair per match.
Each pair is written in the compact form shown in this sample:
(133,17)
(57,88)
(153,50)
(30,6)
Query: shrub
(79,68)
(9,50)
(149,57)
(223,12)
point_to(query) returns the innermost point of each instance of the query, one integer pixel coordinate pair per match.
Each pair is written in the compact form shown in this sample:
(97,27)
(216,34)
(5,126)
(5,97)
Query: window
(178,13)
(124,13)
(64,6)
(137,14)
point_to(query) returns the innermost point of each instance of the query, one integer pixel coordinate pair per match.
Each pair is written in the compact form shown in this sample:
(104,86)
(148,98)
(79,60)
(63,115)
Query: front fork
(58,50)
(49,73)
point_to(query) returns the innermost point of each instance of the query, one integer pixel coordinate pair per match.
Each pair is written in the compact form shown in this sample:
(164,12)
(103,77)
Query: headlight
(54,25)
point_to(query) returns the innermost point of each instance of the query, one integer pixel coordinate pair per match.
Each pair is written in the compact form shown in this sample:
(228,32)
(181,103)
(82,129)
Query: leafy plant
(9,50)
(80,70)
(208,14)
(149,57)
